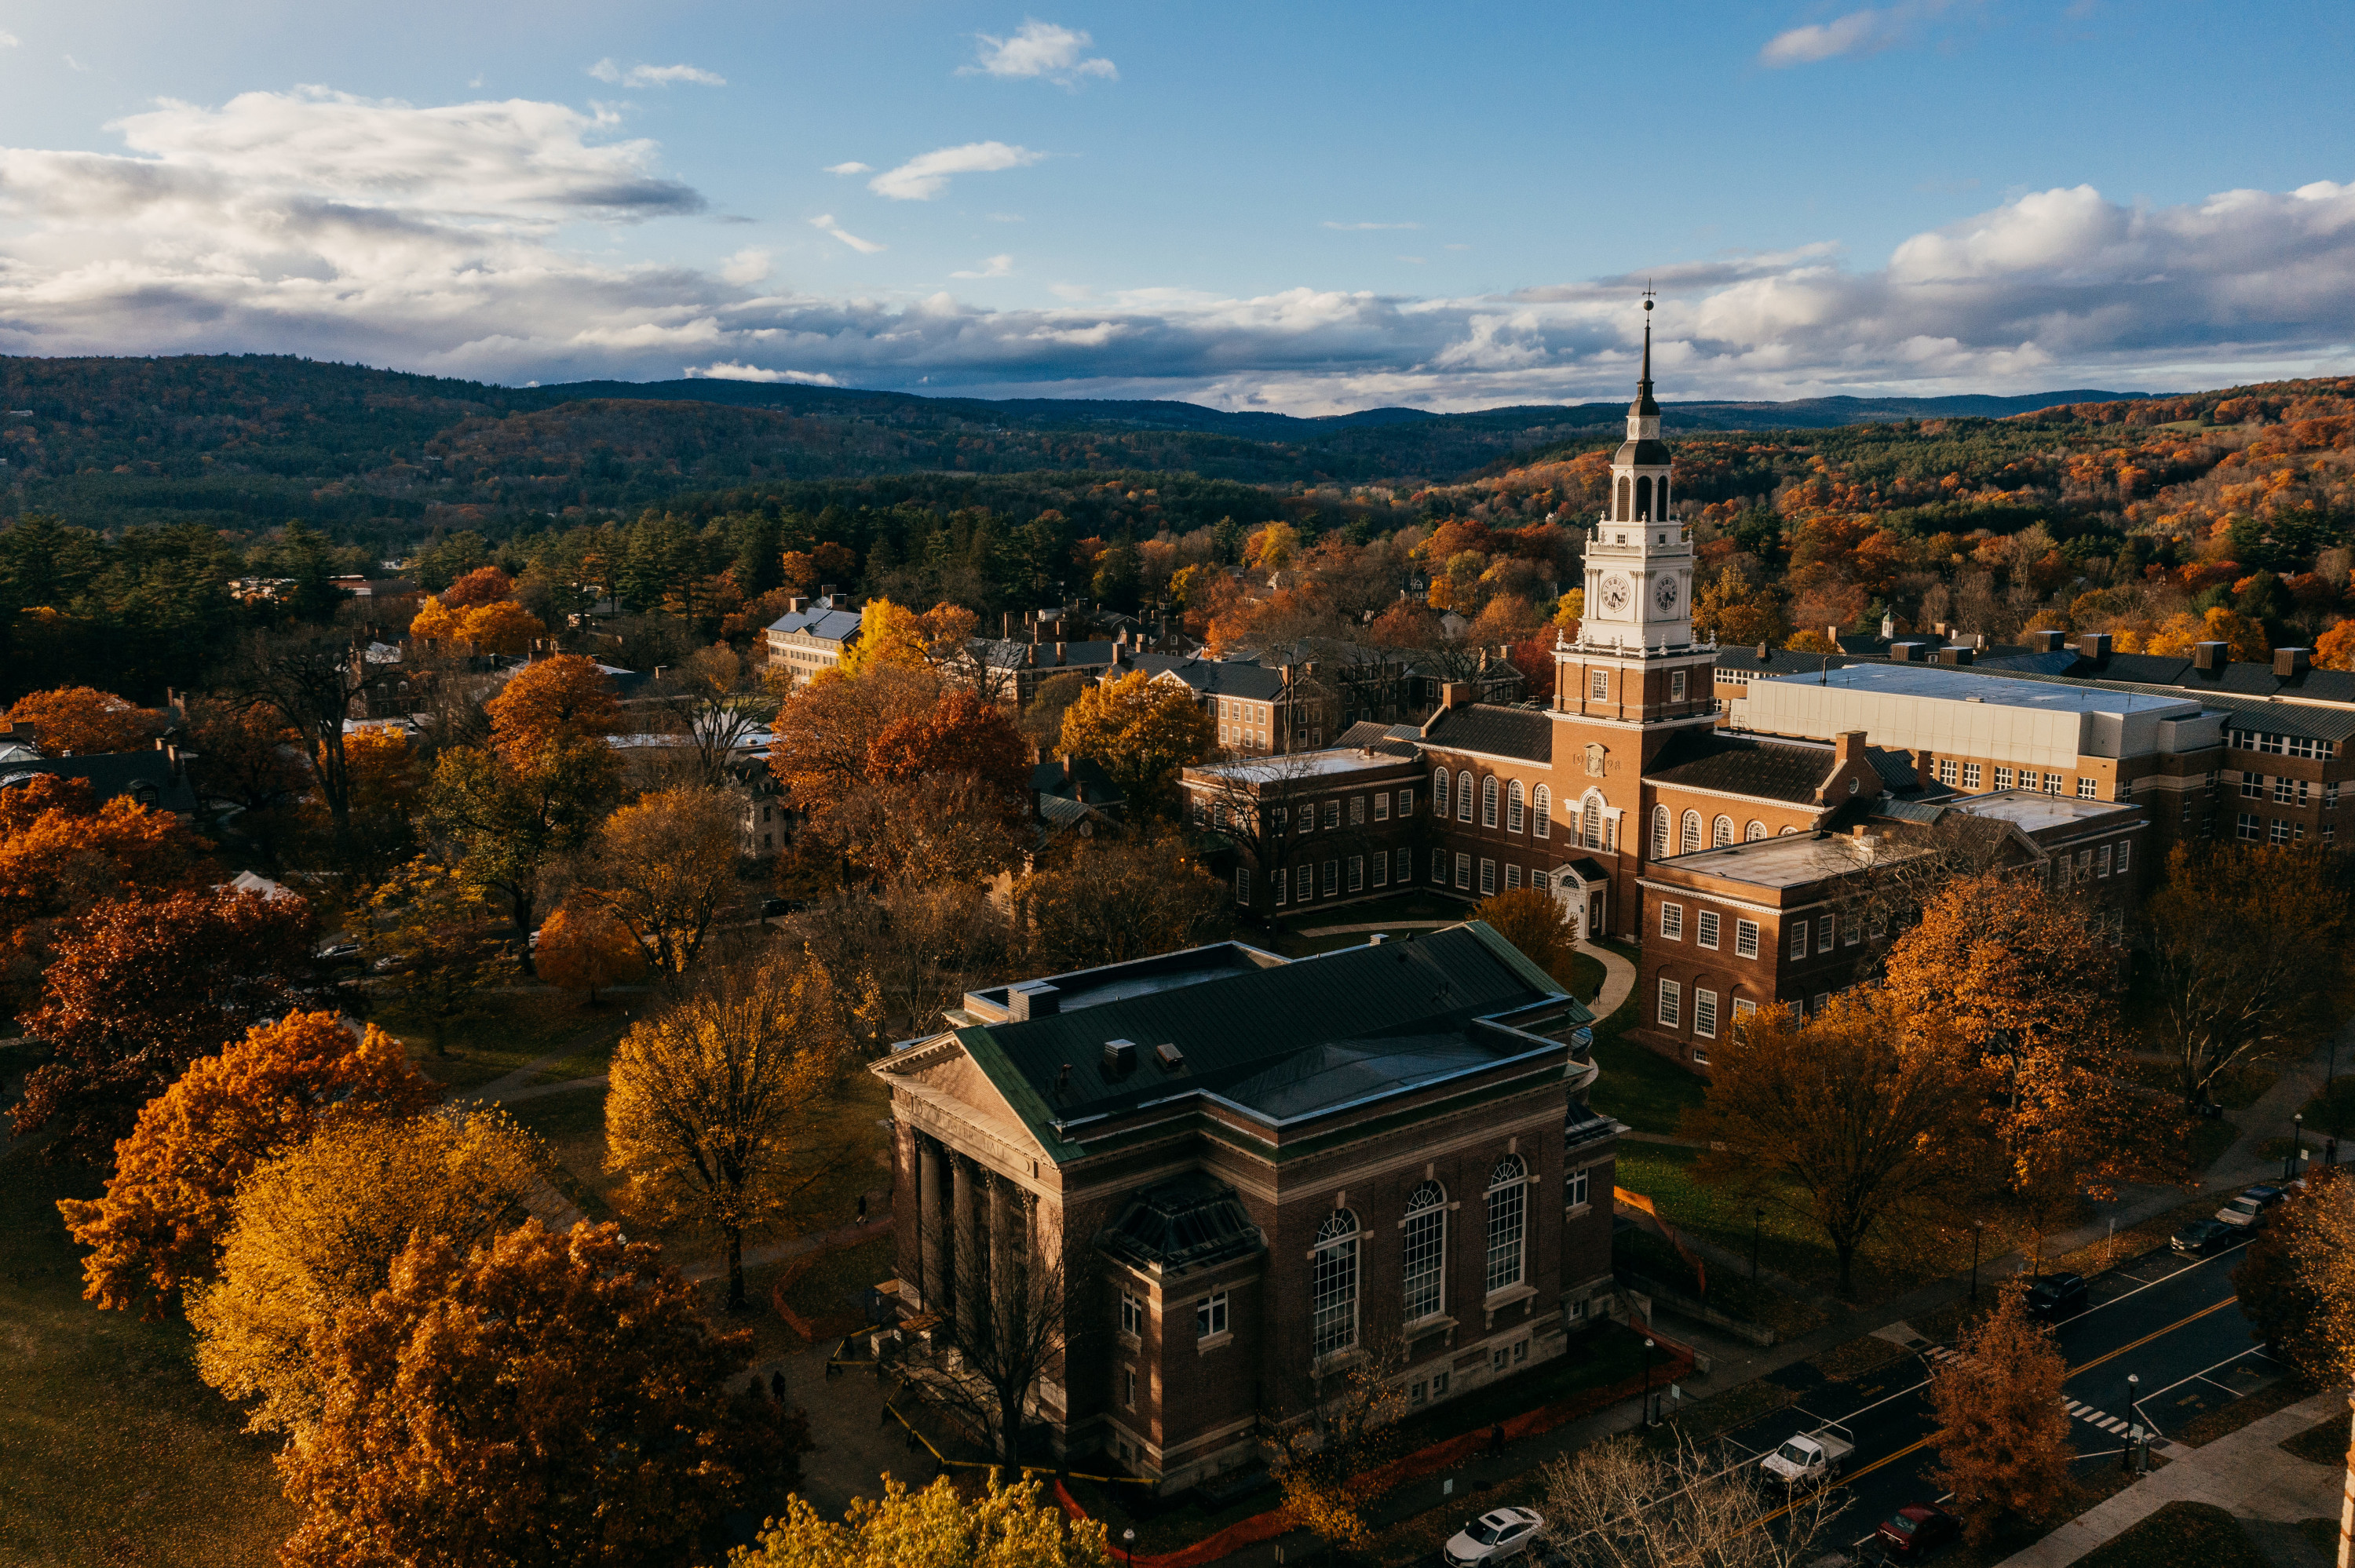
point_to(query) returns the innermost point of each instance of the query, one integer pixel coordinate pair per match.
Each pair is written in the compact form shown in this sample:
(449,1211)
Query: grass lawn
(2178,1533)
(1642,1088)
(506,1030)
(831,1291)
(111,1450)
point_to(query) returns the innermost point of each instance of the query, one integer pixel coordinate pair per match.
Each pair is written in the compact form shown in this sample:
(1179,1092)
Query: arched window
(1720,832)
(1591,823)
(1754,831)
(1625,508)
(1488,801)
(1513,807)
(1786,832)
(1659,832)
(1438,792)
(1541,812)
(1661,495)
(1689,834)
(1426,1252)
(1332,1286)
(1643,499)
(1508,1214)
(1464,795)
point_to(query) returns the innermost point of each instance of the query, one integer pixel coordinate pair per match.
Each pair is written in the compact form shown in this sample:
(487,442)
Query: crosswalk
(2101,1419)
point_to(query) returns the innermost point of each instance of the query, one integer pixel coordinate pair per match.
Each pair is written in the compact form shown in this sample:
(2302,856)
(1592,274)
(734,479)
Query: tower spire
(1644,404)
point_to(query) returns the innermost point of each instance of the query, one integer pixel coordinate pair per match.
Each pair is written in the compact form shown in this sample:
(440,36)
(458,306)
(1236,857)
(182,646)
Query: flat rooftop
(1993,689)
(2028,810)
(1793,860)
(1283,768)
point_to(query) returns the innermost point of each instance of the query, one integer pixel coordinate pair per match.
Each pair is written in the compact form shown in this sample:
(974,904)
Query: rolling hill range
(246,442)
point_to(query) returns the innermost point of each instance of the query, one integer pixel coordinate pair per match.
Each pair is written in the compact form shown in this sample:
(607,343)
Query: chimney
(2212,656)
(1033,999)
(2094,646)
(1171,1058)
(1954,655)
(2289,663)
(1457,695)
(1906,652)
(798,605)
(1849,747)
(1064,1079)
(1378,938)
(1067,764)
(1059,653)
(1006,627)
(1831,635)
(2047,641)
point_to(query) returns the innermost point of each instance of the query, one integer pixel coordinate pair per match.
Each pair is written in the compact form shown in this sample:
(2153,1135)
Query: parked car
(2054,1296)
(1916,1530)
(2202,1237)
(770,908)
(1496,1536)
(2249,1209)
(1809,1458)
(336,952)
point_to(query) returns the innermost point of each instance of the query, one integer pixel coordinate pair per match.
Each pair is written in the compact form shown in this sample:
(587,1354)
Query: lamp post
(1978,1229)
(2134,1422)
(1757,1225)
(1128,1545)
(1647,1383)
(2296,1139)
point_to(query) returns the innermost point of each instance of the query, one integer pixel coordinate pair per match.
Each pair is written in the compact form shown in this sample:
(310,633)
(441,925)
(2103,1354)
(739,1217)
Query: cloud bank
(478,239)
(1039,49)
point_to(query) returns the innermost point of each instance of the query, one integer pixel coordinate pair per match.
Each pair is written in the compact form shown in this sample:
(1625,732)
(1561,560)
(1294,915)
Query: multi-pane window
(1672,921)
(1948,772)
(1516,805)
(1488,876)
(1824,934)
(2280,831)
(1512,877)
(1689,834)
(1332,813)
(2101,862)
(1132,1314)
(1356,874)
(1755,830)
(1464,795)
(1705,929)
(1742,1008)
(2285,790)
(2125,848)
(2088,788)
(1508,1216)
(2052,783)
(1659,832)
(1332,1286)
(2330,795)
(1382,869)
(2084,866)
(1211,1316)
(1332,877)
(1242,884)
(1799,938)
(1382,807)
(1720,832)
(1676,685)
(1426,1252)
(1705,1013)
(1282,885)
(1672,1004)
(1598,685)
(1463,871)
(1540,808)
(1488,801)
(1574,1188)
(1439,866)
(2002,777)
(1852,932)
(1438,792)
(1745,939)
(1303,884)
(1970,775)
(1406,865)
(2253,786)
(1357,810)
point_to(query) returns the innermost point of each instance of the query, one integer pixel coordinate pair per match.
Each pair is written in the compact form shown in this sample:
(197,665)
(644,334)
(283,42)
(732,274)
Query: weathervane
(1648,294)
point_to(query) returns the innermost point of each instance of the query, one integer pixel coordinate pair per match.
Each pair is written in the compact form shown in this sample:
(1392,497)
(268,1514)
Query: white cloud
(1857,33)
(825,225)
(851,168)
(731,370)
(1039,49)
(1353,227)
(926,175)
(746,268)
(9,40)
(998,267)
(440,239)
(654,76)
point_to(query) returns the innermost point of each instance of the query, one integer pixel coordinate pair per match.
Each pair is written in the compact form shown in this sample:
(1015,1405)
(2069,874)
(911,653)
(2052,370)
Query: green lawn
(506,1030)
(1642,1088)
(111,1450)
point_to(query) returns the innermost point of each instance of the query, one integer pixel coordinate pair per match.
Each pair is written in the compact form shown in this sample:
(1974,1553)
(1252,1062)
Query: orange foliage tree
(827,730)
(506,627)
(82,720)
(583,948)
(159,1225)
(2003,1423)
(60,853)
(483,584)
(473,1406)
(141,987)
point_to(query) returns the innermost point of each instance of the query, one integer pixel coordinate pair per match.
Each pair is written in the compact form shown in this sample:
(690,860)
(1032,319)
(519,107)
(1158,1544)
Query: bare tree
(1332,1430)
(1004,1324)
(1620,1505)
(710,707)
(919,947)
(310,675)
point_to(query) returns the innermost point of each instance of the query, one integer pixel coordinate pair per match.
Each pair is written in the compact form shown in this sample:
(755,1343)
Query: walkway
(2246,1473)
(1618,979)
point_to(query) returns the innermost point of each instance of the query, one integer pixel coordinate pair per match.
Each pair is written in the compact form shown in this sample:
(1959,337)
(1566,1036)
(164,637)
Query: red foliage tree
(141,988)
(61,853)
(962,733)
(483,584)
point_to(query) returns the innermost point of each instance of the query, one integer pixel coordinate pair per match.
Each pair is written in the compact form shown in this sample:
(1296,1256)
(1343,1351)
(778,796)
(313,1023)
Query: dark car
(1913,1531)
(2054,1296)
(771,907)
(2203,1238)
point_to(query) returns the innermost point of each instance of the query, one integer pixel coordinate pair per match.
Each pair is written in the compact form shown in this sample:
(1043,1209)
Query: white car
(1496,1536)
(2250,1207)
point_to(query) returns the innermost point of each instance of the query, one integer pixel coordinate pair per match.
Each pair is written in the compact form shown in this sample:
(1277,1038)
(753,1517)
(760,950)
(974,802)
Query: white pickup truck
(1810,1458)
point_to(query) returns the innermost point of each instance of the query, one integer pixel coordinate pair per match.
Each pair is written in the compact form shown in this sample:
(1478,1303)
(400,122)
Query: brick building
(1292,829)
(813,634)
(1249,1173)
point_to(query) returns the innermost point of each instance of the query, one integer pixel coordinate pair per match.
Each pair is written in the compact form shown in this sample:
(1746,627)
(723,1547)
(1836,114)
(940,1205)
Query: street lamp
(2134,1422)
(1648,1382)
(2296,1140)
(1757,1223)
(1128,1545)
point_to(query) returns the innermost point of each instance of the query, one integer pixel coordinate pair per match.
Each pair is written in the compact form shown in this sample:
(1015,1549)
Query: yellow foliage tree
(887,634)
(663,867)
(82,720)
(1140,731)
(583,948)
(2003,1423)
(2335,649)
(1536,923)
(503,627)
(435,621)
(1810,641)
(706,1098)
(1272,548)
(2177,634)
(316,1231)
(1570,610)
(1008,1526)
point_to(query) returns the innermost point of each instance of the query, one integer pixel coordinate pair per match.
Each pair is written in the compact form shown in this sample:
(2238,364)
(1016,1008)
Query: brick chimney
(2213,656)
(2289,663)
(1849,747)
(1457,695)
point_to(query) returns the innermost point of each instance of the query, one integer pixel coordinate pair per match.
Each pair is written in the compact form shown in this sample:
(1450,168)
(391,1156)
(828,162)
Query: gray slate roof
(1741,765)
(142,775)
(826,625)
(1217,677)
(1493,731)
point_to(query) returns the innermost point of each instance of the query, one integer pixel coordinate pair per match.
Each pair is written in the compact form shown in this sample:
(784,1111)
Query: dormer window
(1619,539)
(1664,538)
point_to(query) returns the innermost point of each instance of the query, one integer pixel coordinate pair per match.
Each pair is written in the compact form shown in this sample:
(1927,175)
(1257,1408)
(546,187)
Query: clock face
(1616,589)
(1664,594)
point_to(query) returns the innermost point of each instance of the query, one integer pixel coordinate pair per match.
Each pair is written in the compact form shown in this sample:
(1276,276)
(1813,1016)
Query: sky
(1301,207)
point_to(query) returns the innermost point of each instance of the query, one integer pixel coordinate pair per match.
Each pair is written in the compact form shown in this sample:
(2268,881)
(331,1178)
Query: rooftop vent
(2047,641)
(1119,1056)
(1033,999)
(2290,662)
(1172,1059)
(1907,652)
(2094,645)
(2210,655)
(1955,655)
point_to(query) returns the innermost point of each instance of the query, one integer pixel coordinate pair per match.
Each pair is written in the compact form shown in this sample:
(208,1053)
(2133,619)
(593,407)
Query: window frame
(1508,1225)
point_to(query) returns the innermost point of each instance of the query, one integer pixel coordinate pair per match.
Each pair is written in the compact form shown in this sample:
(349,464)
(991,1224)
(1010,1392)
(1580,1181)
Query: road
(2170,1322)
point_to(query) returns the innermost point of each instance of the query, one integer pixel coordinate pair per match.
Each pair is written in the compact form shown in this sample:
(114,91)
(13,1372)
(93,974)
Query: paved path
(534,1091)
(1618,979)
(2246,1473)
(716,1267)
(503,1091)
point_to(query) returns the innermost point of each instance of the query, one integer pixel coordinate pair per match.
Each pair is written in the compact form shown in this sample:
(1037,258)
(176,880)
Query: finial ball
(1648,305)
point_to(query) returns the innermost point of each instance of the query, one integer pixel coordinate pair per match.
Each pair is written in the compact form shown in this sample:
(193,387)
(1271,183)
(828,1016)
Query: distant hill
(244,442)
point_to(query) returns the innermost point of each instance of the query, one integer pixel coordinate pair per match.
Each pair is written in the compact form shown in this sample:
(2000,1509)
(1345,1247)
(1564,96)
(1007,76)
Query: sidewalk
(2246,1473)
(1618,980)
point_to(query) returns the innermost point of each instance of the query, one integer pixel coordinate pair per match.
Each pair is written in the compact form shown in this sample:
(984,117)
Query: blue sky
(1304,207)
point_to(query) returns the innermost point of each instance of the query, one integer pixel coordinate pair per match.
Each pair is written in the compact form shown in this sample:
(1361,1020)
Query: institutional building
(1249,1173)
